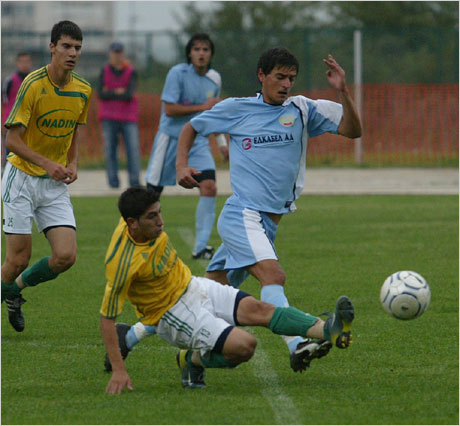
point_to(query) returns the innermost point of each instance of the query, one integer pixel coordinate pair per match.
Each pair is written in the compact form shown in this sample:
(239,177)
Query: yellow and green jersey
(150,275)
(50,115)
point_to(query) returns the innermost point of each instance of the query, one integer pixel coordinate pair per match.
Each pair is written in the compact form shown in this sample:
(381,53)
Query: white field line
(283,407)
(188,237)
(284,410)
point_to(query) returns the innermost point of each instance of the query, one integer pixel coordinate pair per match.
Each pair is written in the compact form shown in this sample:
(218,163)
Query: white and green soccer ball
(405,295)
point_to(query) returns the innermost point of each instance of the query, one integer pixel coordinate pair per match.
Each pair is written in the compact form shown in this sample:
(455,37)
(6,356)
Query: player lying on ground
(189,312)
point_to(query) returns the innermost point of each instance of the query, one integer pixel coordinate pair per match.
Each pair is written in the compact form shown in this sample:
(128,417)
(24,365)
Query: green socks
(326,331)
(38,273)
(214,360)
(10,289)
(288,321)
(291,321)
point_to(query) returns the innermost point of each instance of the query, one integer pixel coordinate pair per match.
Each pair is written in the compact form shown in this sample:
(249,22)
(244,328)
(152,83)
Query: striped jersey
(50,115)
(150,275)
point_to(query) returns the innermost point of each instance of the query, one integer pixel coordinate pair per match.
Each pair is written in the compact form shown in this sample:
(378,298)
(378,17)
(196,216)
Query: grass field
(396,372)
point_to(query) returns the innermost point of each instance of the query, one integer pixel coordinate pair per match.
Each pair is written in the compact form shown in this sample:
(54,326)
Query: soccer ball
(405,295)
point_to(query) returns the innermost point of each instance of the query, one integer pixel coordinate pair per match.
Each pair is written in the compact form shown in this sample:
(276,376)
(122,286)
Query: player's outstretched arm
(350,126)
(183,171)
(120,378)
(14,143)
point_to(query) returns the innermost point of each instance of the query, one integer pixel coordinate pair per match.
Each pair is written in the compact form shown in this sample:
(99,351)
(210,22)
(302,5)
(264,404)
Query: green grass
(396,372)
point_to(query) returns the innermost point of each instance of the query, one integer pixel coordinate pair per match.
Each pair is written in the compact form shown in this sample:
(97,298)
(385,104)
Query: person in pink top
(118,112)
(10,89)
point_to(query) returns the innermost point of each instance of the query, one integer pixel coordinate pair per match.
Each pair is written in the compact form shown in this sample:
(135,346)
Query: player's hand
(210,103)
(335,73)
(57,171)
(72,176)
(224,151)
(118,381)
(185,177)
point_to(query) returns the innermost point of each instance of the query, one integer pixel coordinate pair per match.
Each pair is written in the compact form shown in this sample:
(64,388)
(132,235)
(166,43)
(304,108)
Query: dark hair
(135,201)
(21,54)
(276,57)
(67,28)
(198,37)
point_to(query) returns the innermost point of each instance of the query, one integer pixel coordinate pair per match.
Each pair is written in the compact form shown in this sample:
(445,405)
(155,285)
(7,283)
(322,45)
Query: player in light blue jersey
(268,143)
(189,89)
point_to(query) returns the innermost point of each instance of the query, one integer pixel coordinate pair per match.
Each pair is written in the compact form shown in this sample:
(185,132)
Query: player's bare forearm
(109,334)
(120,378)
(350,126)
(15,143)
(184,144)
(183,171)
(72,153)
(72,156)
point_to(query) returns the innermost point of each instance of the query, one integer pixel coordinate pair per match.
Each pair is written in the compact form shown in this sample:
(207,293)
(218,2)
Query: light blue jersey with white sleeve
(268,145)
(185,87)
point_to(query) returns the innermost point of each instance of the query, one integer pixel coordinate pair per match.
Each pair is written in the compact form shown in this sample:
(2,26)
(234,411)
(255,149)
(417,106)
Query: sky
(151,15)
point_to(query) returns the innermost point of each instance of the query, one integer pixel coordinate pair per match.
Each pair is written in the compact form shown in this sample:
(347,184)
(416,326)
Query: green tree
(242,30)
(388,14)
(403,42)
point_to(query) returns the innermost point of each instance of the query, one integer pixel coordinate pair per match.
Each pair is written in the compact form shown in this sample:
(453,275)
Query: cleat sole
(345,312)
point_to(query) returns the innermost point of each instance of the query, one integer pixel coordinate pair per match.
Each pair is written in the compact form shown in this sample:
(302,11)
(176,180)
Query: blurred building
(42,15)
(26,26)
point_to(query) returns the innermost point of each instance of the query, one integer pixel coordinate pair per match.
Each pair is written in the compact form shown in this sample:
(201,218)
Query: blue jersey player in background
(268,144)
(190,88)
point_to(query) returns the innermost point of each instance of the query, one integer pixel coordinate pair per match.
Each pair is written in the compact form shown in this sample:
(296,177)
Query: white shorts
(204,313)
(161,169)
(27,198)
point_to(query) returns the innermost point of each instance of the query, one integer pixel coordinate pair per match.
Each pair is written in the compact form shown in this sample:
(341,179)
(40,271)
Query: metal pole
(358,88)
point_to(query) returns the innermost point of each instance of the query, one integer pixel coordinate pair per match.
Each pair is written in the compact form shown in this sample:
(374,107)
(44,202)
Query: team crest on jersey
(57,123)
(287,120)
(247,143)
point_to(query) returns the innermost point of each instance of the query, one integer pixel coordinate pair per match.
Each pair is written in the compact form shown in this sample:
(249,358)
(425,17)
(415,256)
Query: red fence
(402,125)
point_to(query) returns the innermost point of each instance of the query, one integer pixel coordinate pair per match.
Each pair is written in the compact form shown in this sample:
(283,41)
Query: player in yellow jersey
(42,138)
(189,312)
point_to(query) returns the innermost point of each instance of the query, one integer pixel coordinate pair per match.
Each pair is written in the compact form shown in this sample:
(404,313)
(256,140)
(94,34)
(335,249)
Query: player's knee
(268,272)
(63,260)
(261,312)
(247,348)
(254,312)
(18,263)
